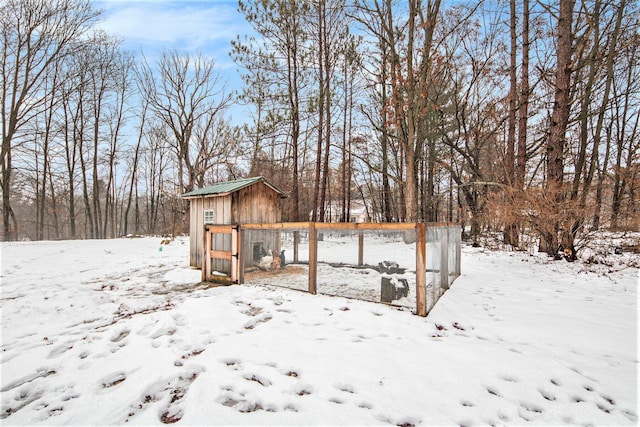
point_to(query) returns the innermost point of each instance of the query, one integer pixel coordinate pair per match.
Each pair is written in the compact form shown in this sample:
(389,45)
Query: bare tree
(511,230)
(35,34)
(275,66)
(188,96)
(556,141)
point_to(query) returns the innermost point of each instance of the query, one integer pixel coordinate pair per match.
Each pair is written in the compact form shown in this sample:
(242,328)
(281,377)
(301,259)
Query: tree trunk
(559,118)
(521,167)
(510,235)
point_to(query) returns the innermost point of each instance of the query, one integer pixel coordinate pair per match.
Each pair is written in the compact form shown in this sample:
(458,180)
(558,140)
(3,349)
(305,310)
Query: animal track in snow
(252,311)
(630,415)
(609,400)
(192,353)
(40,373)
(113,380)
(176,388)
(292,373)
(347,388)
(122,335)
(528,411)
(25,398)
(509,378)
(257,320)
(603,408)
(263,381)
(303,389)
(168,331)
(290,407)
(547,395)
(61,349)
(493,391)
(577,399)
(234,364)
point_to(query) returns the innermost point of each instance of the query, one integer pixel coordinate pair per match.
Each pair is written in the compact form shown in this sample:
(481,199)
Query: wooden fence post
(421,270)
(241,255)
(296,240)
(444,258)
(203,255)
(206,265)
(458,251)
(235,254)
(360,249)
(313,258)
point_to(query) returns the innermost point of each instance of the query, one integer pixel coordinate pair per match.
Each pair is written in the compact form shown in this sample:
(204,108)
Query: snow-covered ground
(117,331)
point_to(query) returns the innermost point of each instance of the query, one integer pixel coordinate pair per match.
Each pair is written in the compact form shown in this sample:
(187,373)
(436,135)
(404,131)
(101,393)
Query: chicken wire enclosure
(277,257)
(373,262)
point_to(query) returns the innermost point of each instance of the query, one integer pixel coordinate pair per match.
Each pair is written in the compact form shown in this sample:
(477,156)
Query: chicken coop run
(408,265)
(217,207)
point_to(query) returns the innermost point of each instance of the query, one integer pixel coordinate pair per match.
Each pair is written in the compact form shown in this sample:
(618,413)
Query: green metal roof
(230,187)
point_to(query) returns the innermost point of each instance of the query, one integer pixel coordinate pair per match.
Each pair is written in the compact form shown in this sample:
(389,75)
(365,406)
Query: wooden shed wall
(222,215)
(257,203)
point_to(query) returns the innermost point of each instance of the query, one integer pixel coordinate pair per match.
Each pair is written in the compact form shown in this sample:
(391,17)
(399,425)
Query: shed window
(208,216)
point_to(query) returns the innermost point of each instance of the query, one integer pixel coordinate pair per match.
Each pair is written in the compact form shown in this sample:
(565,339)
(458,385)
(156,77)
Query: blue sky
(194,26)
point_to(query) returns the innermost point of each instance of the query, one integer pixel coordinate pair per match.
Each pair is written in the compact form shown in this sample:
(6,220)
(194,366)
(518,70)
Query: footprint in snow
(263,381)
(234,364)
(25,398)
(59,350)
(257,320)
(176,388)
(547,395)
(509,378)
(113,380)
(40,373)
(493,391)
(347,388)
(528,411)
(630,415)
(122,335)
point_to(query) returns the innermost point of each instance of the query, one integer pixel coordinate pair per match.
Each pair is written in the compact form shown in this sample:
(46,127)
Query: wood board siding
(222,215)
(257,203)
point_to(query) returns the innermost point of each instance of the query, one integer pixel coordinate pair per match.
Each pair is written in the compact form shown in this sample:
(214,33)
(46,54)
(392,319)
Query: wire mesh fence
(370,262)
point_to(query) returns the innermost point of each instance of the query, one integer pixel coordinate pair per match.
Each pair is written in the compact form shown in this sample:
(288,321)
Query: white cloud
(191,25)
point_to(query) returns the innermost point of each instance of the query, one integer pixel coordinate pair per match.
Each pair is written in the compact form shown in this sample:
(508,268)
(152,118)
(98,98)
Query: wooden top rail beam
(370,226)
(393,226)
(277,226)
(218,228)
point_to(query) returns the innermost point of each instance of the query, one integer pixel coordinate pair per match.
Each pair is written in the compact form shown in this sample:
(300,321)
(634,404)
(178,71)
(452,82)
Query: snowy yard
(117,331)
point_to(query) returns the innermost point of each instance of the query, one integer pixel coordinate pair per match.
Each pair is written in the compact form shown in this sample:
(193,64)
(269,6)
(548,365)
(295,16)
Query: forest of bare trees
(518,118)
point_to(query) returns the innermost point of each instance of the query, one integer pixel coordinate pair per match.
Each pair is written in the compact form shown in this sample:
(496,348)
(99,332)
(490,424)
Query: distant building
(333,212)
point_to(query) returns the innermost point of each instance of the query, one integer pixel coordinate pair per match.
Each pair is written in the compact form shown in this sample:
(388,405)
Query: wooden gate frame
(234,255)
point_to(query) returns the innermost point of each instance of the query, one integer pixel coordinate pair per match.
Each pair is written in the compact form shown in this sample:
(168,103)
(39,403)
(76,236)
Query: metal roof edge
(201,192)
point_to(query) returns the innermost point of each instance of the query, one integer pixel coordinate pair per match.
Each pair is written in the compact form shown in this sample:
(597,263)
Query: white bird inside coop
(265,262)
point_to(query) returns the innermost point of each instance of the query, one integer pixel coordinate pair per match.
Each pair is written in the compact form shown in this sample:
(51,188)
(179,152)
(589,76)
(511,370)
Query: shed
(242,201)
